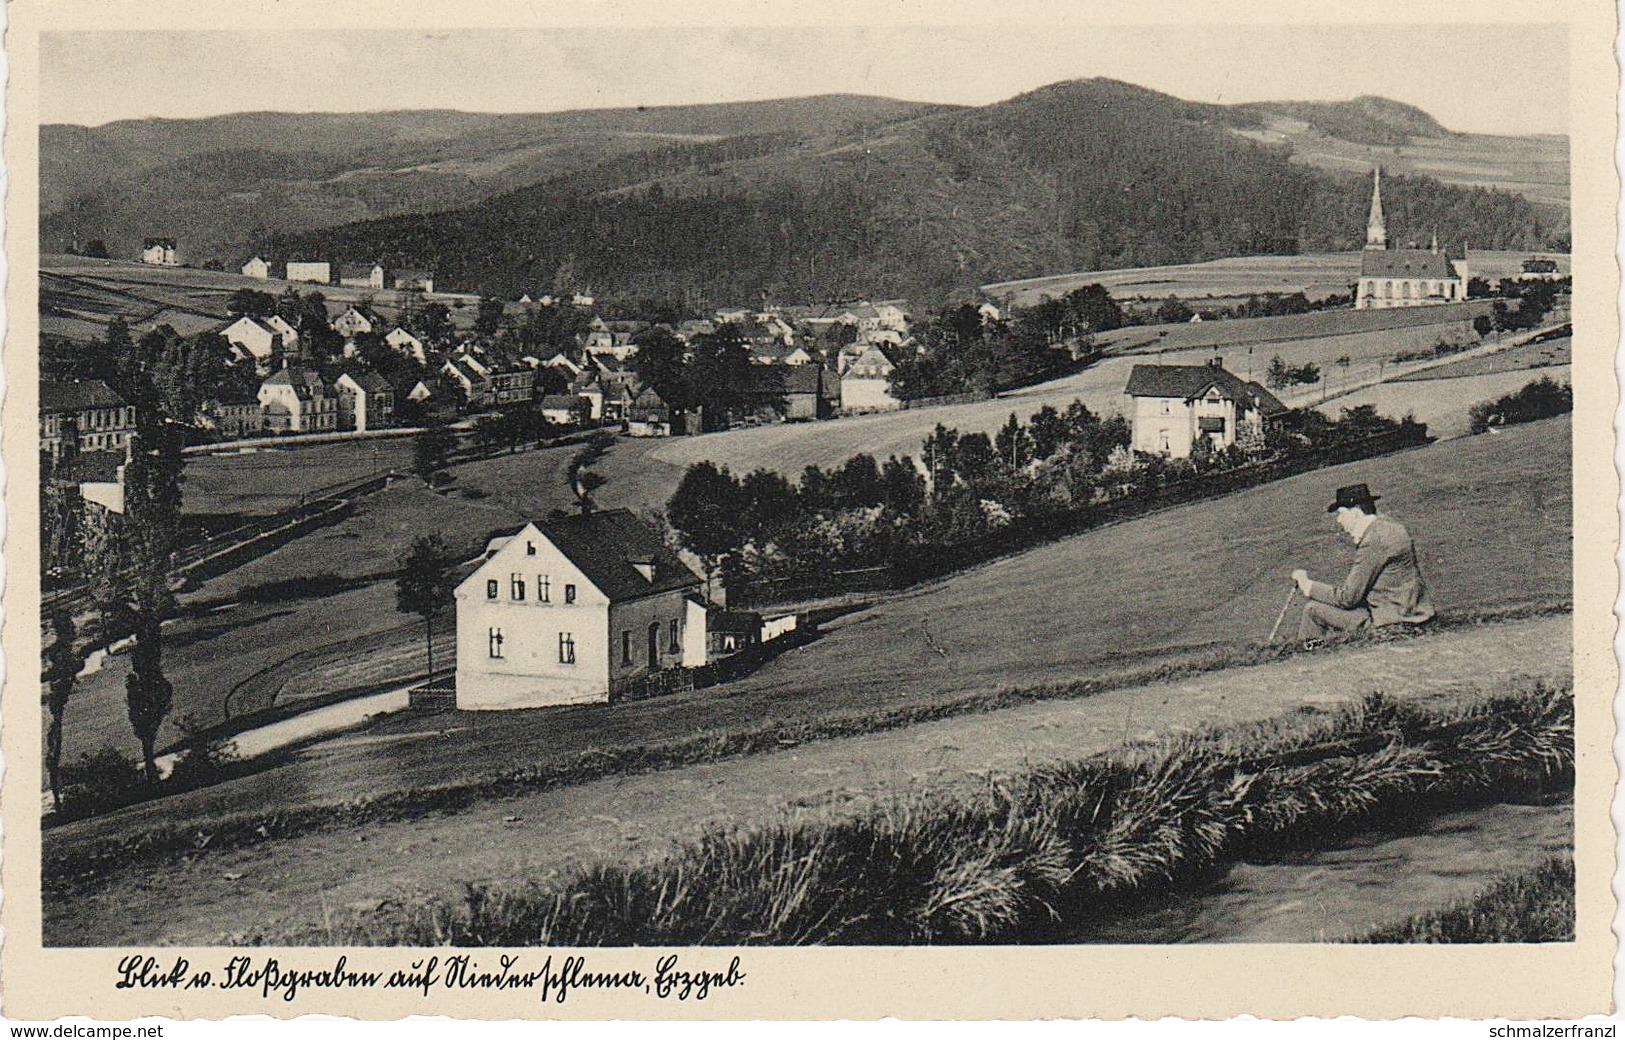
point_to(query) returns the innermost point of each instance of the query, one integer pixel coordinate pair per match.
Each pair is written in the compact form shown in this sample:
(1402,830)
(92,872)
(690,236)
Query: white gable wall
(529,673)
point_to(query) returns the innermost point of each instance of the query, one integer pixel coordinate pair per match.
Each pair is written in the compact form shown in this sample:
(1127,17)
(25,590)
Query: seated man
(1384,587)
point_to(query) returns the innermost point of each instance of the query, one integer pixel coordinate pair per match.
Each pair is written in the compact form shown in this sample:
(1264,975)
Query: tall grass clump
(1535,906)
(1033,857)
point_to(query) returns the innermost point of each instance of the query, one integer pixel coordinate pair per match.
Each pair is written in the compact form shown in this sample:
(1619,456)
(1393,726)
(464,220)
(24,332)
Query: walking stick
(1282,615)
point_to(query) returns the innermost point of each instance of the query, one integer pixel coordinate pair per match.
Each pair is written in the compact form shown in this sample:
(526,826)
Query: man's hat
(1351,497)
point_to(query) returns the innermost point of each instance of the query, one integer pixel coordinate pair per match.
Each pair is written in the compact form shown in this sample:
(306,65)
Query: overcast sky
(1488,79)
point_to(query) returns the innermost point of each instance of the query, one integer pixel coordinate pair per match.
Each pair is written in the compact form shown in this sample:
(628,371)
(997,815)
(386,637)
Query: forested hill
(1081,175)
(217,184)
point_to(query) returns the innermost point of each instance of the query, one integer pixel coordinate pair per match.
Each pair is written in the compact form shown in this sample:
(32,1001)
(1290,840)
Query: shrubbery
(1541,399)
(101,782)
(964,489)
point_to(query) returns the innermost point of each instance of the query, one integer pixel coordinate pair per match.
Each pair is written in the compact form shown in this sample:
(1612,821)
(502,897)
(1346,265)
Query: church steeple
(1376,229)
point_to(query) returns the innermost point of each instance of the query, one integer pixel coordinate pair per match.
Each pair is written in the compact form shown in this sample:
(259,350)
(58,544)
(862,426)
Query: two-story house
(82,416)
(1172,405)
(352,323)
(567,610)
(366,401)
(296,400)
(258,338)
(318,271)
(362,276)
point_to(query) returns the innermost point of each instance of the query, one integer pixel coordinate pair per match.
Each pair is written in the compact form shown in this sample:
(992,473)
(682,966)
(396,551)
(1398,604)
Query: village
(545,484)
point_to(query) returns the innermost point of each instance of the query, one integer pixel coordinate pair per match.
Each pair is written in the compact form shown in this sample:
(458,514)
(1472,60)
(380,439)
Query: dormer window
(645,568)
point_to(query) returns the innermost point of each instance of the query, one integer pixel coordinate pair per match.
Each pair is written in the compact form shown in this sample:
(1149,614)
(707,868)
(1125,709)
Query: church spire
(1376,229)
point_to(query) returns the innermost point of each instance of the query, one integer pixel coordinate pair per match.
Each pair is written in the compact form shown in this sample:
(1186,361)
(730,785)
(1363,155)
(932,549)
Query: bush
(324,584)
(101,782)
(1541,399)
(202,759)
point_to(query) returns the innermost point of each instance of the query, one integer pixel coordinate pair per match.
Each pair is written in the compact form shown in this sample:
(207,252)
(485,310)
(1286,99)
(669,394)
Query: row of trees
(964,349)
(127,559)
(963,488)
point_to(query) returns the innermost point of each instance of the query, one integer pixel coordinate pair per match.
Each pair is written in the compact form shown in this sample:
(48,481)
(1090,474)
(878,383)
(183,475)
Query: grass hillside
(1091,173)
(1164,587)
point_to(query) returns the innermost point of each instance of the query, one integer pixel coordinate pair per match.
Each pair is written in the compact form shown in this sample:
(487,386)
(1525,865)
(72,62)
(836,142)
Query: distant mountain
(221,183)
(810,199)
(1365,120)
(1082,175)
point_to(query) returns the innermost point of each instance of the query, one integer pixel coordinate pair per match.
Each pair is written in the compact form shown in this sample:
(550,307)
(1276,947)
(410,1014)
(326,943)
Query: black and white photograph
(807,486)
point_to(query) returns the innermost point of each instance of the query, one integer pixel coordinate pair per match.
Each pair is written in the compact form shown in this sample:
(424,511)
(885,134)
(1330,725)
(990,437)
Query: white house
(569,610)
(362,276)
(255,337)
(352,323)
(319,271)
(403,342)
(296,401)
(160,251)
(414,280)
(866,382)
(419,393)
(366,401)
(257,268)
(252,338)
(1173,405)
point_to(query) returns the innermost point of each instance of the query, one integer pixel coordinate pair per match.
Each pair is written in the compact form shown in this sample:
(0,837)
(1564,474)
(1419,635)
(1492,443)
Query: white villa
(1173,405)
(564,611)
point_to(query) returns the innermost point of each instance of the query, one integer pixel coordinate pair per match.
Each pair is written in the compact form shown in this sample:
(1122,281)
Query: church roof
(1405,263)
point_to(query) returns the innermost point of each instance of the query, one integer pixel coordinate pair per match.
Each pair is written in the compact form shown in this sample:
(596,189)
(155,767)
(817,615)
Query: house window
(672,645)
(569,593)
(491,589)
(530,548)
(567,648)
(626,647)
(543,588)
(516,587)
(493,642)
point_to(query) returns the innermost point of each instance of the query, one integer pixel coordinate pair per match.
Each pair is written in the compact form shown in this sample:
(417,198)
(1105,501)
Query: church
(1408,277)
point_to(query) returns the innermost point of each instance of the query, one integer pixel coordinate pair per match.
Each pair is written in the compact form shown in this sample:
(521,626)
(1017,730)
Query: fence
(735,666)
(925,562)
(969,397)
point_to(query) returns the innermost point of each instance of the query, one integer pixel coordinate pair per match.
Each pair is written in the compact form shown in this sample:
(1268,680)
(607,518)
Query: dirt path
(300,883)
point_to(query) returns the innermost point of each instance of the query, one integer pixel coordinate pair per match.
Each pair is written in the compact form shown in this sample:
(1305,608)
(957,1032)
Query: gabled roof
(305,382)
(605,546)
(356,270)
(372,382)
(56,396)
(553,402)
(1188,382)
(1405,263)
(784,379)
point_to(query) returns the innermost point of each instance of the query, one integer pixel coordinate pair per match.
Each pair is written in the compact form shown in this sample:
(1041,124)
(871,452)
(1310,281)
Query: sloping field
(207,657)
(1535,166)
(1547,354)
(1442,403)
(1238,276)
(268,480)
(1195,576)
(642,474)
